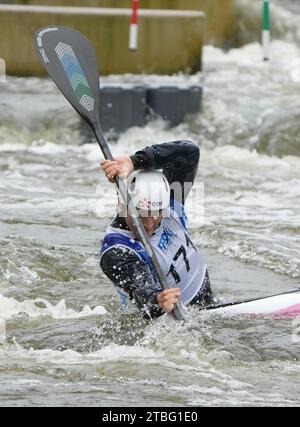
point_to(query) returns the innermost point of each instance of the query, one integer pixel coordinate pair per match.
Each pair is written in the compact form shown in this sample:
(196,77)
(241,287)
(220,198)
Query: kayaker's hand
(121,166)
(168,299)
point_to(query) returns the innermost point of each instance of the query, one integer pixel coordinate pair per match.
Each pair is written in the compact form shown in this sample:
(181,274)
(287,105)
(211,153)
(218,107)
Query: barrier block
(122,107)
(173,103)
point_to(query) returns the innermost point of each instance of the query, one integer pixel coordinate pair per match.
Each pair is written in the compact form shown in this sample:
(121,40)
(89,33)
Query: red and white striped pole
(133,33)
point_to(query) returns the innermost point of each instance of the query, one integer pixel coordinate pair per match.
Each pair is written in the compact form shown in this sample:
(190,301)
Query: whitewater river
(63,340)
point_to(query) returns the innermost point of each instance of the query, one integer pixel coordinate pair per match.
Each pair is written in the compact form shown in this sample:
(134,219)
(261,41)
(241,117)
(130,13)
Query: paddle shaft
(177,311)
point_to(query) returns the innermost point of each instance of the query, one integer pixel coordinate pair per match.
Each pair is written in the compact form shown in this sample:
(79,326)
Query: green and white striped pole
(266,30)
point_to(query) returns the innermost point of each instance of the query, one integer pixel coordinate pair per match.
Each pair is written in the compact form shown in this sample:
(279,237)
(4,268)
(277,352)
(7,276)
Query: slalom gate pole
(266,30)
(133,33)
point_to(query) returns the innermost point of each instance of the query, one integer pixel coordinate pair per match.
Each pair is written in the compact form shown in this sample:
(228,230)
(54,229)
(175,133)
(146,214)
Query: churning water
(63,340)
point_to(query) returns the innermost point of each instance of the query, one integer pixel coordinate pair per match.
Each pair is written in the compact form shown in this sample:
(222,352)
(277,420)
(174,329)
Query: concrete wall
(167,43)
(220,14)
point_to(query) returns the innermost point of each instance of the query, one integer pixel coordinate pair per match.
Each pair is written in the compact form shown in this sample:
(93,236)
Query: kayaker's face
(149,221)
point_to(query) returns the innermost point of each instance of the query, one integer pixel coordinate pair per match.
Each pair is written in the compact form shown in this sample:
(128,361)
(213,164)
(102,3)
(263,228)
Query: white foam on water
(112,353)
(249,102)
(238,158)
(252,207)
(285,18)
(10,307)
(12,146)
(207,385)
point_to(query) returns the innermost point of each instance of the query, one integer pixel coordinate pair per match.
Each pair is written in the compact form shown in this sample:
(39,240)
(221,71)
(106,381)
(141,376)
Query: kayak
(280,306)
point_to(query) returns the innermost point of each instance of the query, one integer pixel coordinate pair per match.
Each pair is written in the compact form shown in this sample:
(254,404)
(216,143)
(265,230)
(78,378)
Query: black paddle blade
(70,61)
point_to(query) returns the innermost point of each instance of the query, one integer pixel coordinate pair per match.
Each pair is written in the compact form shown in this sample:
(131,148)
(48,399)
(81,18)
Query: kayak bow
(284,305)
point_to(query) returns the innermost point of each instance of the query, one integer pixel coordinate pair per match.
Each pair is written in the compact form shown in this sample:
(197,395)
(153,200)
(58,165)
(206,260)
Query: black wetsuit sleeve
(179,161)
(127,271)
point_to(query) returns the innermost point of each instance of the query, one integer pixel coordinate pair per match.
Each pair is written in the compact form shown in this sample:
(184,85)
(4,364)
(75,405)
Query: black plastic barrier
(173,103)
(122,107)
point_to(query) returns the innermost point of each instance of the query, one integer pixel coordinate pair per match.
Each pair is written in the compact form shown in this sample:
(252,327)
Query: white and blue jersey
(180,261)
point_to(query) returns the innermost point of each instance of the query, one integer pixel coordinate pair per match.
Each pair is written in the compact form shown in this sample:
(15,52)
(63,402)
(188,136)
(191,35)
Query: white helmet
(149,190)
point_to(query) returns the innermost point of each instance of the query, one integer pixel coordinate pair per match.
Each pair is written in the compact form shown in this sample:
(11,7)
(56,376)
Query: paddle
(71,63)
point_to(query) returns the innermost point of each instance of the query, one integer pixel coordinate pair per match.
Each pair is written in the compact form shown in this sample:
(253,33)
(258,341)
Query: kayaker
(159,180)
